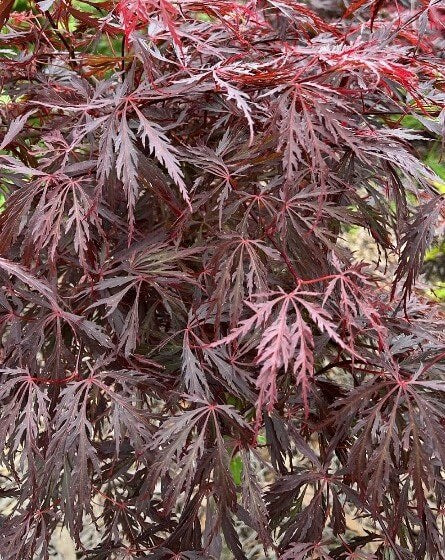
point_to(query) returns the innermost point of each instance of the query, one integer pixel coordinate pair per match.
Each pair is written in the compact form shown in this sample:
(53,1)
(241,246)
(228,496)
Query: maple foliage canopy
(179,311)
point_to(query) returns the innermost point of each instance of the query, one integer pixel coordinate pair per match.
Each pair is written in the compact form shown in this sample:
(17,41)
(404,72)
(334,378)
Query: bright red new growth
(193,360)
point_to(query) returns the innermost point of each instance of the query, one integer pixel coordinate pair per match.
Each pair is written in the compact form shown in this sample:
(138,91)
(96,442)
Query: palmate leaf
(286,339)
(64,206)
(127,420)
(355,302)
(132,272)
(239,271)
(183,459)
(72,454)
(229,370)
(28,534)
(393,425)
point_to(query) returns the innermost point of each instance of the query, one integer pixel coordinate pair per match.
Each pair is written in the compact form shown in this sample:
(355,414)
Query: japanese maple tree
(192,355)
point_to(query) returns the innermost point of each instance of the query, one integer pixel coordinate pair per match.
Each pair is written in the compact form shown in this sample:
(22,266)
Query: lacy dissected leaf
(24,417)
(416,240)
(160,146)
(286,340)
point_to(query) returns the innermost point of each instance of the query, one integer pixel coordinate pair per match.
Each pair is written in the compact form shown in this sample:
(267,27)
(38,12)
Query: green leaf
(236,468)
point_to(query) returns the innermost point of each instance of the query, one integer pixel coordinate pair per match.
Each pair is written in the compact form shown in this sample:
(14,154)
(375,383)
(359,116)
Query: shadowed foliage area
(179,311)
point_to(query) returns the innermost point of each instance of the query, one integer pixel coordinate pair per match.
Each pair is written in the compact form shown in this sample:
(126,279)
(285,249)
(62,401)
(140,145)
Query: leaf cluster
(179,312)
